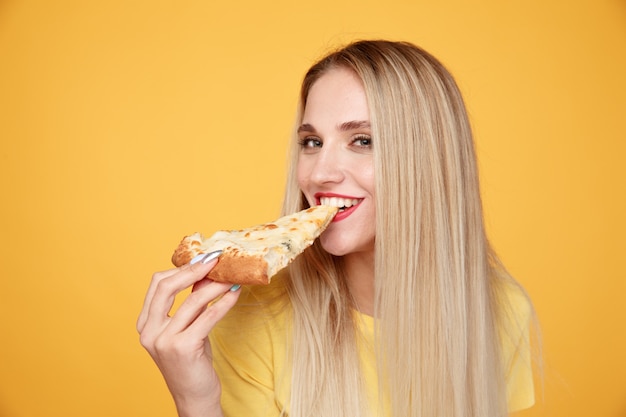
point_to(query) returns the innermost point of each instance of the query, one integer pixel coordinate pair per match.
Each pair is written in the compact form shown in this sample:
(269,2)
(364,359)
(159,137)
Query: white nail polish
(197,258)
(205,258)
(210,256)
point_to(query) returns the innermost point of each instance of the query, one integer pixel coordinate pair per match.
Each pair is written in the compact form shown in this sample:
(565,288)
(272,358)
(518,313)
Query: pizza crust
(252,256)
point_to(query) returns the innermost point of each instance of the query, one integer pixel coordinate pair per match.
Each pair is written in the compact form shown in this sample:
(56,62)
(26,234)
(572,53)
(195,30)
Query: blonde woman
(400,308)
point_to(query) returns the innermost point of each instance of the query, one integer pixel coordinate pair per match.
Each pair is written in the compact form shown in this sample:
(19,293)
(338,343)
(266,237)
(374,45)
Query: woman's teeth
(340,202)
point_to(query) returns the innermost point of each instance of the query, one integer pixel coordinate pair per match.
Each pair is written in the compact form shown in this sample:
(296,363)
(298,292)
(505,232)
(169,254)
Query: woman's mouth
(346,205)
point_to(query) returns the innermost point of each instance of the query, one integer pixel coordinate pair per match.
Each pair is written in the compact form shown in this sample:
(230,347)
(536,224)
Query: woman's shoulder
(516,320)
(513,304)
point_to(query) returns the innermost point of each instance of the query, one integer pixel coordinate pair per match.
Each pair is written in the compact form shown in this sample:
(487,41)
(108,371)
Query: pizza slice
(254,255)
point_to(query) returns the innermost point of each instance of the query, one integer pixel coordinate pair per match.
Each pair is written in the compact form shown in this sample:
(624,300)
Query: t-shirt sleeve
(516,350)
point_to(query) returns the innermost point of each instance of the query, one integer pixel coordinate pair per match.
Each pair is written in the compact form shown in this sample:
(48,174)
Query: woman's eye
(362,141)
(310,143)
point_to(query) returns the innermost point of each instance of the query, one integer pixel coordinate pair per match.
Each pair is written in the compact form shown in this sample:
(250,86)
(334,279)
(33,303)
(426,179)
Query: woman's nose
(327,167)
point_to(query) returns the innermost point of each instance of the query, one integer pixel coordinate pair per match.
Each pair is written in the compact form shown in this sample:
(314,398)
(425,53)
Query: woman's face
(335,164)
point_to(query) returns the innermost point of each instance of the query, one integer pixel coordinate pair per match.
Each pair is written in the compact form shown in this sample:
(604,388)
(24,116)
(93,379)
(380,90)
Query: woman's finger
(195,304)
(206,320)
(158,276)
(166,289)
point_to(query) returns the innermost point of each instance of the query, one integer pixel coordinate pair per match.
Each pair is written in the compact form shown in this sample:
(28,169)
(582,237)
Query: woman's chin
(333,246)
(342,247)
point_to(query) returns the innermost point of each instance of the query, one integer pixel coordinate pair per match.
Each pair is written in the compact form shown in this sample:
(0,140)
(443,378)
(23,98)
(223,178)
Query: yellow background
(127,124)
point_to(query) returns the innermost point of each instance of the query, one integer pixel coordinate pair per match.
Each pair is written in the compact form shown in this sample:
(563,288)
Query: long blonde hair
(436,285)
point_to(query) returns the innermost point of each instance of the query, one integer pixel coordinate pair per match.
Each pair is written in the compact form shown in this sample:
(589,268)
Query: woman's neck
(359,269)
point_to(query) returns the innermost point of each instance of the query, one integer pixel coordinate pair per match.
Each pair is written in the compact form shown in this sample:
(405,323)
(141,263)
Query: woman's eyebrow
(344,127)
(306,128)
(353,125)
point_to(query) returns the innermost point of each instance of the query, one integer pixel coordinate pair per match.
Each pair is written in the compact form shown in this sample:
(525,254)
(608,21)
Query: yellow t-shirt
(250,350)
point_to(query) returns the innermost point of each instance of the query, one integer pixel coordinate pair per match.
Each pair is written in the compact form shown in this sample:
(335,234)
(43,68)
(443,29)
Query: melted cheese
(278,242)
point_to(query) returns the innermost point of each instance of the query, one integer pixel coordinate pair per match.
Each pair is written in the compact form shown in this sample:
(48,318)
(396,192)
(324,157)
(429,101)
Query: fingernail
(235,287)
(205,258)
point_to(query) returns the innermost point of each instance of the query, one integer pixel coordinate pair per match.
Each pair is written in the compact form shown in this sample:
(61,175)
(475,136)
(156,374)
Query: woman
(400,308)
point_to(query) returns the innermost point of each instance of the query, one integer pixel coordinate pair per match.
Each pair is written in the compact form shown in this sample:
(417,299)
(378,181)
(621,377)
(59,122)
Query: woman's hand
(179,344)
